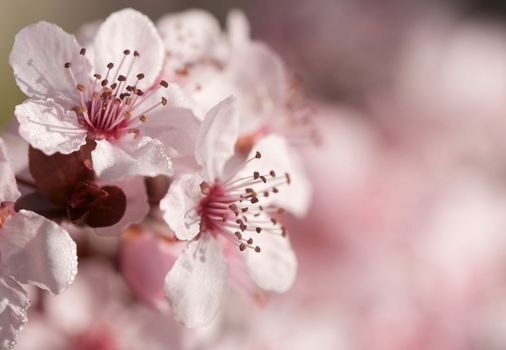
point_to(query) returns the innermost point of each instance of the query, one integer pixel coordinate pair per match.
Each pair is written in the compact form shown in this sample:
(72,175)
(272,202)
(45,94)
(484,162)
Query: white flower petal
(137,205)
(175,125)
(217,137)
(129,29)
(85,36)
(238,28)
(49,128)
(17,151)
(262,88)
(178,128)
(196,282)
(38,56)
(8,188)
(190,35)
(37,251)
(275,267)
(86,33)
(295,197)
(179,206)
(13,305)
(130,156)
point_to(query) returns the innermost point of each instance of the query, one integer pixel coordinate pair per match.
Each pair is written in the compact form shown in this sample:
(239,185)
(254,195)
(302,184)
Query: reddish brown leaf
(109,210)
(39,204)
(84,199)
(57,175)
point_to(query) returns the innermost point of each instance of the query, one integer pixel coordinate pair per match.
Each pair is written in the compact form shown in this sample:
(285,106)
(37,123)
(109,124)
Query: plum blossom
(34,251)
(209,65)
(107,97)
(223,212)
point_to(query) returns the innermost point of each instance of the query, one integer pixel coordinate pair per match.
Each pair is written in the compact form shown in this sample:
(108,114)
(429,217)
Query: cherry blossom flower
(209,65)
(107,97)
(34,251)
(223,211)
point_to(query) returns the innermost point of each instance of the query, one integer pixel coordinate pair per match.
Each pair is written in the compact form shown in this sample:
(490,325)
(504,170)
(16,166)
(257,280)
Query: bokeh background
(405,245)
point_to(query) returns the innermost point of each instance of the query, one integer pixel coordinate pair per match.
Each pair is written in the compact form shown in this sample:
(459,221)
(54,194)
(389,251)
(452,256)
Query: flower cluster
(179,133)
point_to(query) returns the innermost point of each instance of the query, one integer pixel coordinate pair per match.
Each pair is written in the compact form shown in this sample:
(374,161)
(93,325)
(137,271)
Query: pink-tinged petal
(196,283)
(179,206)
(85,36)
(180,99)
(8,188)
(137,208)
(49,128)
(38,57)
(17,154)
(86,33)
(129,29)
(130,156)
(37,251)
(238,28)
(13,305)
(190,35)
(177,124)
(275,267)
(177,129)
(217,137)
(294,197)
(258,98)
(145,261)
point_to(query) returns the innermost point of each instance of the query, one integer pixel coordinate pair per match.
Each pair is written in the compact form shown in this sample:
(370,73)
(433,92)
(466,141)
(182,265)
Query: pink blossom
(216,209)
(107,97)
(34,251)
(209,65)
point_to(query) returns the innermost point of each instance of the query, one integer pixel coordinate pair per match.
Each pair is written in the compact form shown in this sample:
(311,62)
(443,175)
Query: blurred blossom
(447,103)
(146,256)
(97,313)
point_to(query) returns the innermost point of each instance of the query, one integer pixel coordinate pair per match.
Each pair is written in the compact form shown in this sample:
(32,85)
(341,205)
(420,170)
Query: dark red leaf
(110,208)
(57,175)
(83,199)
(39,204)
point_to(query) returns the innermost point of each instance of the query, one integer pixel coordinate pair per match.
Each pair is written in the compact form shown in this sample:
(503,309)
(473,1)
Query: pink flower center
(233,208)
(110,108)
